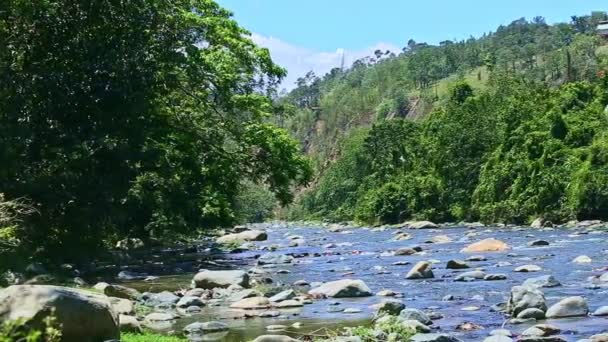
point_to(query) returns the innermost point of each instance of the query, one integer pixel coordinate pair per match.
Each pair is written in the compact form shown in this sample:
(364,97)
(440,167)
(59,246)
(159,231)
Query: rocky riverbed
(467,281)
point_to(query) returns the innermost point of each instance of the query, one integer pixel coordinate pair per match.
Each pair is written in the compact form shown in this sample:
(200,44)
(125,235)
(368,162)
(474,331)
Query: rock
(83,316)
(599,337)
(389,307)
(542,281)
(422,270)
(531,313)
(441,239)
(129,244)
(254,303)
(537,243)
(220,279)
(415,314)
(274,338)
(351,310)
(487,245)
(196,292)
(187,301)
(164,298)
(414,325)
(159,321)
(525,297)
(248,235)
(121,306)
(541,330)
(129,324)
(386,293)
(128,275)
(405,251)
(476,258)
(582,259)
(342,289)
(495,276)
(402,237)
(121,292)
(471,275)
(422,225)
(498,338)
(528,268)
(456,264)
(537,223)
(201,328)
(290,303)
(601,311)
(433,338)
(101,286)
(568,307)
(283,295)
(274,259)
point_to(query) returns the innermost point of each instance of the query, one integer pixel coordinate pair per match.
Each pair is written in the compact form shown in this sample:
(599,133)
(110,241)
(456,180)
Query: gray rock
(456,264)
(569,307)
(601,311)
(342,289)
(164,298)
(159,321)
(274,259)
(531,313)
(200,328)
(121,306)
(471,275)
(422,270)
(542,281)
(220,279)
(528,268)
(433,338)
(389,307)
(248,235)
(283,295)
(121,292)
(129,275)
(495,276)
(405,251)
(254,303)
(415,314)
(525,297)
(129,324)
(188,301)
(414,325)
(422,225)
(82,316)
(274,338)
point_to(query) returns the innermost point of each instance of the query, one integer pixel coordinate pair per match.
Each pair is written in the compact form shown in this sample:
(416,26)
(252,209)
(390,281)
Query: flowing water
(363,253)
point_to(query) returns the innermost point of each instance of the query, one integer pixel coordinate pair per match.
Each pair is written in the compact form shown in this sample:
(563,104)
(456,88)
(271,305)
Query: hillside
(336,117)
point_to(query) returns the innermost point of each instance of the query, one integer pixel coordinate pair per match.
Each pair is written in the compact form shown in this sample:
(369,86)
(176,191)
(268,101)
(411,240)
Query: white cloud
(299,60)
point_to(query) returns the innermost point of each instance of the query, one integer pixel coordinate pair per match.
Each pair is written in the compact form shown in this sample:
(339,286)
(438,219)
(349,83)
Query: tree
(136,118)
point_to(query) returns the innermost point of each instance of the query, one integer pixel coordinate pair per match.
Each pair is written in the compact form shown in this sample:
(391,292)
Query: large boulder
(220,279)
(274,259)
(422,225)
(568,307)
(542,281)
(344,288)
(248,235)
(254,303)
(416,315)
(422,270)
(83,316)
(120,291)
(525,297)
(487,245)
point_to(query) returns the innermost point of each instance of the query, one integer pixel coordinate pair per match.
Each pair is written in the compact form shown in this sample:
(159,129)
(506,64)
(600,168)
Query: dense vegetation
(507,127)
(133,119)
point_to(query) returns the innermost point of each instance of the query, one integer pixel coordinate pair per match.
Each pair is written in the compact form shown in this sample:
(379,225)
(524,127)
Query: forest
(508,127)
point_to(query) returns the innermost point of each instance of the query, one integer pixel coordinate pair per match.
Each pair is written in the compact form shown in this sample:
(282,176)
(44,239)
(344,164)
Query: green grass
(149,337)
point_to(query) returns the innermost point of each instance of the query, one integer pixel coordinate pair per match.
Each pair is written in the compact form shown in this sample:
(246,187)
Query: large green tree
(134,118)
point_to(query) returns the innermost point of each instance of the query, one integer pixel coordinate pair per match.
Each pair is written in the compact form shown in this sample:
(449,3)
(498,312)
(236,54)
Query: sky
(305,35)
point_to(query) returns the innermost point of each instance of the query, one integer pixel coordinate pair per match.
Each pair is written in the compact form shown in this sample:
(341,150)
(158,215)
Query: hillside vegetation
(506,127)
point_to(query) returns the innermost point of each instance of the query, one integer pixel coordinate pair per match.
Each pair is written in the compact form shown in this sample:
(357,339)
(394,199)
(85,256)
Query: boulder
(542,281)
(274,259)
(537,243)
(531,313)
(164,298)
(274,338)
(389,307)
(433,338)
(344,288)
(159,321)
(568,307)
(121,306)
(200,328)
(129,324)
(83,316)
(495,276)
(187,301)
(582,259)
(541,330)
(254,303)
(289,303)
(220,279)
(471,275)
(528,268)
(456,265)
(283,295)
(440,239)
(121,292)
(525,297)
(601,311)
(248,235)
(422,270)
(415,314)
(405,251)
(422,225)
(487,245)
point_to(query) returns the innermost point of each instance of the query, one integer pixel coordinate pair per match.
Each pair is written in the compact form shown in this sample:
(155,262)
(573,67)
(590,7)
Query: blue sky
(313,34)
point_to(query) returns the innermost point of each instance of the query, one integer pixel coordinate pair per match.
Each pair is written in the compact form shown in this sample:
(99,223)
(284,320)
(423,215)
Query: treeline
(514,128)
(140,119)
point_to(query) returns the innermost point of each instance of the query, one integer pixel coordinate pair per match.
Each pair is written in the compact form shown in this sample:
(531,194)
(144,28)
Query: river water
(364,253)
